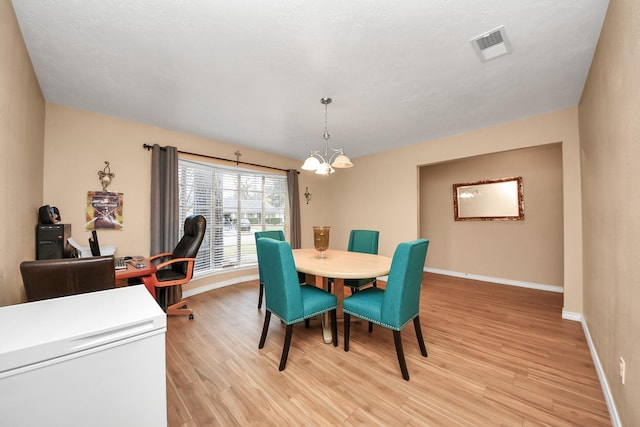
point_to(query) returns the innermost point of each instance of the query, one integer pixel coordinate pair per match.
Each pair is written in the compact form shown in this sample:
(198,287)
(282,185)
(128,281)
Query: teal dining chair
(364,241)
(285,297)
(275,235)
(396,305)
(271,234)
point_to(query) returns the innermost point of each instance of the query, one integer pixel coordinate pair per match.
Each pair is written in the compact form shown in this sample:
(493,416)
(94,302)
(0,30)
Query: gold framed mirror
(490,200)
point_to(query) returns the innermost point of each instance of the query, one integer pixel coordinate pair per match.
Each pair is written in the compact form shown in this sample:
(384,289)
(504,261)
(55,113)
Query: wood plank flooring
(498,356)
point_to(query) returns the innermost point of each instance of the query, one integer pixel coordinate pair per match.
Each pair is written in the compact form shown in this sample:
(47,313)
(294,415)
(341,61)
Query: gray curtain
(165,206)
(164,199)
(294,205)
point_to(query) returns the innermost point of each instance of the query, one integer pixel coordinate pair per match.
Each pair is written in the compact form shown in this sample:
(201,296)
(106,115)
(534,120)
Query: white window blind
(236,203)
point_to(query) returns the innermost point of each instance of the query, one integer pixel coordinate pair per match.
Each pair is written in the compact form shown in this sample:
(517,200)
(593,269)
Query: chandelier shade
(312,163)
(326,159)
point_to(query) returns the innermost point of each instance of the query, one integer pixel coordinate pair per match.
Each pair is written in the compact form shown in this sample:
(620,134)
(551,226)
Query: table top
(341,264)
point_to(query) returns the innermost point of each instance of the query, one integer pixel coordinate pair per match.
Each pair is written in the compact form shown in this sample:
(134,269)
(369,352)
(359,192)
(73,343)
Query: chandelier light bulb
(324,169)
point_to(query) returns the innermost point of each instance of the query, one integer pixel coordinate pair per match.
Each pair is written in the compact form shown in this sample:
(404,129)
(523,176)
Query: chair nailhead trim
(386,325)
(311,315)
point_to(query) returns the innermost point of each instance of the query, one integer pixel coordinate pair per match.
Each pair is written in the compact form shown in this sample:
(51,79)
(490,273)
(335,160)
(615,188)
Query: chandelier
(324,161)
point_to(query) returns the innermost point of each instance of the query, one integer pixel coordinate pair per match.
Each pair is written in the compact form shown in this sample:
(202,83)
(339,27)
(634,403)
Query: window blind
(236,202)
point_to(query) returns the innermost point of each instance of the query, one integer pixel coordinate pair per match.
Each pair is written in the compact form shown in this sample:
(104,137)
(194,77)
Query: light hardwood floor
(498,355)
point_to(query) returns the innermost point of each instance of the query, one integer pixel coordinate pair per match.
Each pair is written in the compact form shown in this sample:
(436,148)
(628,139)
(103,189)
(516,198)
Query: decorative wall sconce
(105,176)
(307,195)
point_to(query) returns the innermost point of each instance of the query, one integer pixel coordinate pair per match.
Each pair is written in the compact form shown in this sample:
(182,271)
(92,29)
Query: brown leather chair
(52,278)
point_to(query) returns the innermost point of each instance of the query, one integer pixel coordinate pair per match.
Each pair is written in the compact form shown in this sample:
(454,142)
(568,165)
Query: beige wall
(382,191)
(77,144)
(610,139)
(22,116)
(82,141)
(530,250)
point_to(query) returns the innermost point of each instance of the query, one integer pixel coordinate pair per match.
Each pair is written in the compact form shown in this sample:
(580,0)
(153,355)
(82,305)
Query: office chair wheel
(191,316)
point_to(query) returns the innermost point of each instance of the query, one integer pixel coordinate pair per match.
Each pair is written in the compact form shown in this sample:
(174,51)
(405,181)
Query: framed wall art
(104,210)
(490,200)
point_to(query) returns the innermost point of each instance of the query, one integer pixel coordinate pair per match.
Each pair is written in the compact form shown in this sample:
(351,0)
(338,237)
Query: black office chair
(52,278)
(166,283)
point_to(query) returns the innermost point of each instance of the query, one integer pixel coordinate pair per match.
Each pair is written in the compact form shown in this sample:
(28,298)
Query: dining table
(338,265)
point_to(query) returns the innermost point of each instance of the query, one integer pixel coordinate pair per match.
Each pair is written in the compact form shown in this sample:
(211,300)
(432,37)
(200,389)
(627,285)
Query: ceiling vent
(491,44)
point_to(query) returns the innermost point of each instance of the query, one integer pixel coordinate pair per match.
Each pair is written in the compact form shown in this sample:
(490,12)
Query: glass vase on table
(321,239)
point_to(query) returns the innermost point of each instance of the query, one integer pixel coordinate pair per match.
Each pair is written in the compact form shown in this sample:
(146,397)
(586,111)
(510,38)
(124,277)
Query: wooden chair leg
(180,309)
(285,350)
(370,327)
(334,327)
(397,338)
(416,324)
(347,326)
(260,295)
(265,328)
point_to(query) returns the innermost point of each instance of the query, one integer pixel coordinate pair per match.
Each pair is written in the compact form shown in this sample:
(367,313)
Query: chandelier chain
(326,130)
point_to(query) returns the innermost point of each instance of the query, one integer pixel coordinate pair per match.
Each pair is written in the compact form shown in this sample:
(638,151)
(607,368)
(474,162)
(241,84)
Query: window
(236,203)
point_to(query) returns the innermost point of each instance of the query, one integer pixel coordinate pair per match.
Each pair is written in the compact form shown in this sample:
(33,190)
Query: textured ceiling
(252,72)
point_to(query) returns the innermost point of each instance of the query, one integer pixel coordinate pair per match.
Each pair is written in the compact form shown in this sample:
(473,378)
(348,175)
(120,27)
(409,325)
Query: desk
(133,272)
(339,265)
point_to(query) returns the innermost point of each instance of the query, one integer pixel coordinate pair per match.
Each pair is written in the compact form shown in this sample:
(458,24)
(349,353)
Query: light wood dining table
(338,265)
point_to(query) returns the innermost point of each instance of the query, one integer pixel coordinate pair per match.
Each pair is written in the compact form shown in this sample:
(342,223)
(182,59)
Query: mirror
(490,200)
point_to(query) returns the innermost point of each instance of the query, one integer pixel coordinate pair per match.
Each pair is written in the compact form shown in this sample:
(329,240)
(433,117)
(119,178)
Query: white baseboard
(608,397)
(570,315)
(539,286)
(221,284)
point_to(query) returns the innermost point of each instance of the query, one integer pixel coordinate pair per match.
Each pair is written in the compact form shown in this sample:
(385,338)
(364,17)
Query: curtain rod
(237,162)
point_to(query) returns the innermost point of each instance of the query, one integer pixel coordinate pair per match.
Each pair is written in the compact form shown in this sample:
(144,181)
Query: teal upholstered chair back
(365,241)
(278,272)
(401,301)
(271,234)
